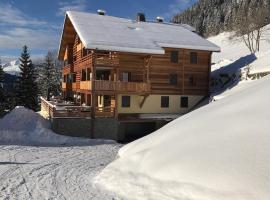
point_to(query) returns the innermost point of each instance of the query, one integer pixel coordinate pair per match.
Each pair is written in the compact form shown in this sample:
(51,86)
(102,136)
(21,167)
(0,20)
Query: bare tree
(250,27)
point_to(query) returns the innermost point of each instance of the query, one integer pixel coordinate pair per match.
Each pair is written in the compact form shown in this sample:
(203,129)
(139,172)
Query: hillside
(235,55)
(211,17)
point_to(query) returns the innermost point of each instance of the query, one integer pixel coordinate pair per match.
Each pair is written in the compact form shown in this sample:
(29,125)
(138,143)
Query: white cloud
(18,29)
(41,39)
(75,5)
(11,15)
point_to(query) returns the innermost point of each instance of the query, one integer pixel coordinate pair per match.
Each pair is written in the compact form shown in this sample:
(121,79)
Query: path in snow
(53,172)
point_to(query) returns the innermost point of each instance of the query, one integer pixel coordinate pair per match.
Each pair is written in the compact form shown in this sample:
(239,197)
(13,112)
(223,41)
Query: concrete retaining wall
(104,128)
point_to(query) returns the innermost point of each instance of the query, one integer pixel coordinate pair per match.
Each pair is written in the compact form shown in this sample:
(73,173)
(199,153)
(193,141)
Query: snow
(36,163)
(235,53)
(130,36)
(34,130)
(12,67)
(220,151)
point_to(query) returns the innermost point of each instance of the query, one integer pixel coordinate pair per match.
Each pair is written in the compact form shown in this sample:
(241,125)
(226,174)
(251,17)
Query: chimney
(101,12)
(140,17)
(160,19)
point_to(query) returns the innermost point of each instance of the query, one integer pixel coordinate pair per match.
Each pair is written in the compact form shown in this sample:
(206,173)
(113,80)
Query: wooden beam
(143,100)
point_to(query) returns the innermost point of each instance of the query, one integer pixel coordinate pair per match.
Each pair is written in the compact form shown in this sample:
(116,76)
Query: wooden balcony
(109,59)
(85,85)
(82,63)
(51,109)
(115,86)
(121,86)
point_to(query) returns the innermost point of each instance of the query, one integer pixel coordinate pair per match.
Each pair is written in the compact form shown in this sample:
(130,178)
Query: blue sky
(38,23)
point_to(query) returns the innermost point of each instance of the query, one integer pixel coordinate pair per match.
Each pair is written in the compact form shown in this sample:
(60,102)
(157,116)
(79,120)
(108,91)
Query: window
(84,52)
(83,75)
(88,74)
(174,56)
(193,57)
(125,101)
(191,80)
(184,102)
(70,78)
(126,76)
(74,78)
(173,79)
(65,78)
(164,101)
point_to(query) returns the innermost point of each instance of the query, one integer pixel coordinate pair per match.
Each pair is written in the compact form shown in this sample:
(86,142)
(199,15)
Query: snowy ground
(36,163)
(53,172)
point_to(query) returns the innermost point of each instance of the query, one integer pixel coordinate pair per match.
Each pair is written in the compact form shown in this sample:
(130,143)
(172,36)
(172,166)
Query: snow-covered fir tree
(26,86)
(50,76)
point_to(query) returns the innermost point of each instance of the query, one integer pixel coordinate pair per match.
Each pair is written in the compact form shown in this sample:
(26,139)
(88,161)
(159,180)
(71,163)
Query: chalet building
(118,72)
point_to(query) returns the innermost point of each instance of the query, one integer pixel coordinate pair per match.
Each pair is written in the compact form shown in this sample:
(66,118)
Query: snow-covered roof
(125,35)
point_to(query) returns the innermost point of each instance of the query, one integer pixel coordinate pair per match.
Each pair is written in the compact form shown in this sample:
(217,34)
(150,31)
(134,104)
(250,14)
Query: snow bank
(219,152)
(25,127)
(236,54)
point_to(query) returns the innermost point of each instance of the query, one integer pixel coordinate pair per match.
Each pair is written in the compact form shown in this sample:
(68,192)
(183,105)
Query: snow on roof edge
(214,49)
(62,33)
(124,49)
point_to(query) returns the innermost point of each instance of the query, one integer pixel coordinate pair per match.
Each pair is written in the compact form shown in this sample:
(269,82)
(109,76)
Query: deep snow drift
(220,151)
(24,126)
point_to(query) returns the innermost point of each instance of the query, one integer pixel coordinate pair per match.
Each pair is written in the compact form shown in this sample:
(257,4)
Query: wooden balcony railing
(110,59)
(104,112)
(85,85)
(103,85)
(49,110)
(121,86)
(82,63)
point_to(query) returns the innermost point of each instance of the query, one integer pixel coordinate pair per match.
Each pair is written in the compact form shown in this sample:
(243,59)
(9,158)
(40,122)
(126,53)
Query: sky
(38,23)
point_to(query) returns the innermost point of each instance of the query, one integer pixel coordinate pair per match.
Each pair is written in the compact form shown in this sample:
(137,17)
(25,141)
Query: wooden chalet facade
(123,83)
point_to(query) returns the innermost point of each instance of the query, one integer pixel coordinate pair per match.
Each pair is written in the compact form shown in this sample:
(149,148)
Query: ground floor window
(125,101)
(184,102)
(164,101)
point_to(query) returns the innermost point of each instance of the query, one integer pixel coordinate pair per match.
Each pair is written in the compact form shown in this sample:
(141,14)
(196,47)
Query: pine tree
(26,88)
(49,82)
(2,93)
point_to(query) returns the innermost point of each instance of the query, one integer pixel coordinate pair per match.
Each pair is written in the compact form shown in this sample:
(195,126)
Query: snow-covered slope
(12,67)
(218,152)
(235,52)
(25,127)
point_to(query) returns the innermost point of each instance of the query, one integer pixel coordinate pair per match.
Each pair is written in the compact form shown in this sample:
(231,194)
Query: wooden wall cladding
(192,79)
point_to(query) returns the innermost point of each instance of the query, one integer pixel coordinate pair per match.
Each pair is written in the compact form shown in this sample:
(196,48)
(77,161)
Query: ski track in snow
(53,172)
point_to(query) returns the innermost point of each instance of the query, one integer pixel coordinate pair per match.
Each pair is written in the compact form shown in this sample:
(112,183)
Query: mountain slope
(211,17)
(12,67)
(235,55)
